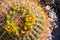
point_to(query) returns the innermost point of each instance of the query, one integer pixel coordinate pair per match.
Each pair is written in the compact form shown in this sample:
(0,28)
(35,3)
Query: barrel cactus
(23,20)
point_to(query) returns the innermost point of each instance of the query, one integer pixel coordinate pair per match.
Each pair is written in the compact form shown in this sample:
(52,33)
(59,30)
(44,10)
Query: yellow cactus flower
(18,8)
(14,27)
(30,17)
(23,9)
(10,12)
(23,14)
(28,23)
(14,11)
(8,21)
(8,28)
(7,16)
(30,26)
(25,27)
(14,7)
